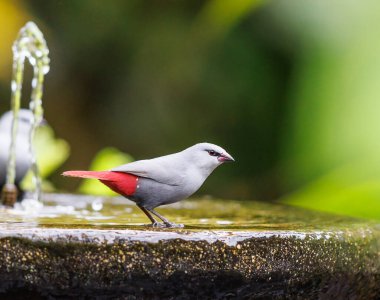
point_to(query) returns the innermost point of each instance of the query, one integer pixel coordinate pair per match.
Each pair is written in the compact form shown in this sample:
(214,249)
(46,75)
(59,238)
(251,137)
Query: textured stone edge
(97,236)
(158,263)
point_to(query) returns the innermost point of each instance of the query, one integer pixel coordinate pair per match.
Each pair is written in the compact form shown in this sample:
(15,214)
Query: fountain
(30,44)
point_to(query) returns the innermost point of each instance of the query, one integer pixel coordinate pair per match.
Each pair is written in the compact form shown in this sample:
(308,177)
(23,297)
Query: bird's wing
(165,169)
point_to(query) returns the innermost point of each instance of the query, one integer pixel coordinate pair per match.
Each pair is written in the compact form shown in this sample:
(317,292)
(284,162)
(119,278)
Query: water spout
(29,44)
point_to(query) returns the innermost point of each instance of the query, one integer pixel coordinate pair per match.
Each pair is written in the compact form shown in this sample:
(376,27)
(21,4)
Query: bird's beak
(225,157)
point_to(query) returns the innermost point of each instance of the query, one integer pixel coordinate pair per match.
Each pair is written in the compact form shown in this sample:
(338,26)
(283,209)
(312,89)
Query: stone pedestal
(340,259)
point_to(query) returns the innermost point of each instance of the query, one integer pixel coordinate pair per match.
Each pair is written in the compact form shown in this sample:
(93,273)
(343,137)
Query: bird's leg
(163,219)
(154,222)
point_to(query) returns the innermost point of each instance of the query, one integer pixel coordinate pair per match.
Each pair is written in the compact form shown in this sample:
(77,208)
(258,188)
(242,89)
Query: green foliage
(353,190)
(333,140)
(219,16)
(106,159)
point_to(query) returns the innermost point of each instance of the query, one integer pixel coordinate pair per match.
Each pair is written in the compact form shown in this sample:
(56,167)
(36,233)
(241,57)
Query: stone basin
(84,246)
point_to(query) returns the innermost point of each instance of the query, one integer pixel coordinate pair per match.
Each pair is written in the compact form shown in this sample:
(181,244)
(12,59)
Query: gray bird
(23,155)
(162,180)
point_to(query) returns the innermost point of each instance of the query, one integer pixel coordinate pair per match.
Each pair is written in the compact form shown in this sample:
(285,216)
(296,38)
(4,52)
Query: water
(78,211)
(31,45)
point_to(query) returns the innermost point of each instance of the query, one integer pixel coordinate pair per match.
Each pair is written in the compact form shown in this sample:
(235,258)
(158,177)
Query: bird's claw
(157,225)
(166,225)
(173,225)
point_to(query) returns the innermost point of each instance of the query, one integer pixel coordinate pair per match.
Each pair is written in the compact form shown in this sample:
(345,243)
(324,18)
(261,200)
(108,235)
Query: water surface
(78,211)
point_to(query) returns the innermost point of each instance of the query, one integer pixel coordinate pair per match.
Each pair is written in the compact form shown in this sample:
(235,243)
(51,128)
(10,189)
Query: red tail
(122,183)
(102,175)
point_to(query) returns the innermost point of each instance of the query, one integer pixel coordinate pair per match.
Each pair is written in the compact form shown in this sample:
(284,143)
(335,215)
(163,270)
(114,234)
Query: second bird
(22,146)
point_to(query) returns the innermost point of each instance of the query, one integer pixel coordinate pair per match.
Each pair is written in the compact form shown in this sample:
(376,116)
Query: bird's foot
(157,225)
(173,225)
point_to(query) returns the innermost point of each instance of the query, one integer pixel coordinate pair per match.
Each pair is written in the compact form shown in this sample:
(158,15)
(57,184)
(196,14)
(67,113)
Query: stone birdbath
(80,246)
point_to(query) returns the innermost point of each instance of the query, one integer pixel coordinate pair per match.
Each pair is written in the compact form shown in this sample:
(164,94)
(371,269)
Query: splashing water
(29,44)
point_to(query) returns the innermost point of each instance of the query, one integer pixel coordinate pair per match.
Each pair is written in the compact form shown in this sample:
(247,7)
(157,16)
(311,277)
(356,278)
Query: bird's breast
(151,194)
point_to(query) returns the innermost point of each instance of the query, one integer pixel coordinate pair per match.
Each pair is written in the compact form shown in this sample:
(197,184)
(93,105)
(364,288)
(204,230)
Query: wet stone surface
(72,249)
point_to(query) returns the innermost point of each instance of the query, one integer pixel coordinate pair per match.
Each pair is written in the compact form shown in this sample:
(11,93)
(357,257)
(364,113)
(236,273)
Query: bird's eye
(213,153)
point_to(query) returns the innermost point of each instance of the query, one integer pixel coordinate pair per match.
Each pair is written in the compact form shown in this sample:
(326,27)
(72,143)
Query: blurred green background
(290,88)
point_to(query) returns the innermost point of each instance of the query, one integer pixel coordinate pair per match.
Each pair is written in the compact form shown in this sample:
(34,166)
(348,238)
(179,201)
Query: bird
(163,180)
(22,145)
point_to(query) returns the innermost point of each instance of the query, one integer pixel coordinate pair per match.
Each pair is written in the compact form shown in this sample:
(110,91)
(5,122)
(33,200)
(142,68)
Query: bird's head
(25,121)
(208,156)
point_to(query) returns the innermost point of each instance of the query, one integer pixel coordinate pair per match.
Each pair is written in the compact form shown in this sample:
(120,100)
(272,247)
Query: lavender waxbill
(23,155)
(162,180)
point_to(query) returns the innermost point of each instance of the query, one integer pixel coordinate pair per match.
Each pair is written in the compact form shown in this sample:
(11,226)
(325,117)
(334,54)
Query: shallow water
(78,211)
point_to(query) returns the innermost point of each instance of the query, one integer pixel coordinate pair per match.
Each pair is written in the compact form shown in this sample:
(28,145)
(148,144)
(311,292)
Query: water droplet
(224,222)
(32,206)
(97,204)
(45,69)
(32,60)
(13,86)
